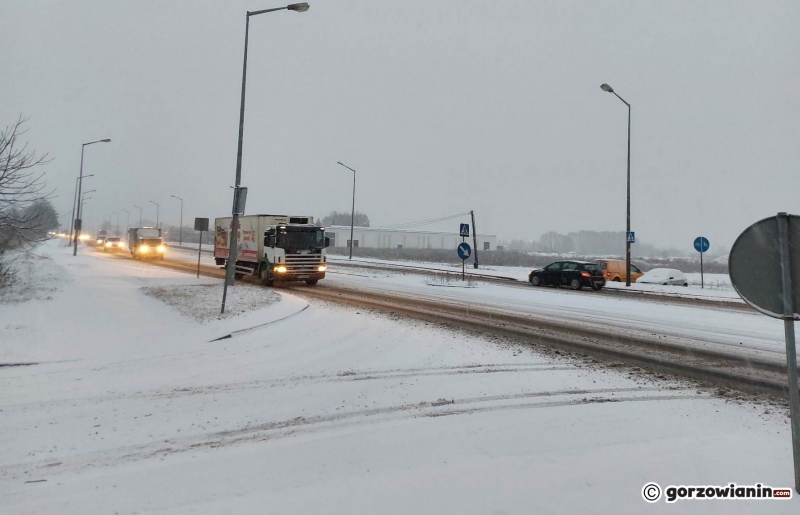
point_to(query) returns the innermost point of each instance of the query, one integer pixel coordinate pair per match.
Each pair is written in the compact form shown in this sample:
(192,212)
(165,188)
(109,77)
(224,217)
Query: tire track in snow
(370,375)
(342,421)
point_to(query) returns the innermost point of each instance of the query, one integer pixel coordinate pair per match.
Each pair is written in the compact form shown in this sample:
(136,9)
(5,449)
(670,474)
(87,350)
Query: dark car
(574,274)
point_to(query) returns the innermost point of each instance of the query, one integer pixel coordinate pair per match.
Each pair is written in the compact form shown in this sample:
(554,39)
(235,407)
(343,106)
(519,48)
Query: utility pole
(158,212)
(474,237)
(127,220)
(180,229)
(230,265)
(609,89)
(79,195)
(352,210)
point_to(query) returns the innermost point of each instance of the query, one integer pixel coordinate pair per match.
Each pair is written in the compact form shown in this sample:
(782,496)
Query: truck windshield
(301,239)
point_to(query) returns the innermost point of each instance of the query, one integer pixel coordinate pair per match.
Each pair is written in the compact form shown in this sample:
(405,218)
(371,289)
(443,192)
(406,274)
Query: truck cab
(146,243)
(276,248)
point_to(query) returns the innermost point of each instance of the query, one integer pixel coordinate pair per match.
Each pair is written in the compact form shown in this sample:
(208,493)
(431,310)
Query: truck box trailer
(274,248)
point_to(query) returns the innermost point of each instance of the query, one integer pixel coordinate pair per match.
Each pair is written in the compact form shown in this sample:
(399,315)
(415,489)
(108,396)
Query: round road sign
(701,244)
(755,265)
(464,250)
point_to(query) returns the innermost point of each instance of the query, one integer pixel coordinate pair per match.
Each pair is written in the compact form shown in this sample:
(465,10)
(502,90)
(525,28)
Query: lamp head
(606,87)
(301,7)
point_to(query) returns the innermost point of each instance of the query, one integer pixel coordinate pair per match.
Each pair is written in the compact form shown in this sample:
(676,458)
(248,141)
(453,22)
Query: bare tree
(26,214)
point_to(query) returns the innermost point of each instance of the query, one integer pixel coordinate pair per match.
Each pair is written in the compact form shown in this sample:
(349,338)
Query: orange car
(614,270)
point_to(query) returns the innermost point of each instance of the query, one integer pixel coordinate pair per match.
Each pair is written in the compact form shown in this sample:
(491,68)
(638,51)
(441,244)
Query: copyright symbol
(651,492)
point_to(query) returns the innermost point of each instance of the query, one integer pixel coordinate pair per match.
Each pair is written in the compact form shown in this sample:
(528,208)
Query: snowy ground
(321,409)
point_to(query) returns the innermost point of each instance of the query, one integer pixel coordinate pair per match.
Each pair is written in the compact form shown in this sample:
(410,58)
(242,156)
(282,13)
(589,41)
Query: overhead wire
(420,223)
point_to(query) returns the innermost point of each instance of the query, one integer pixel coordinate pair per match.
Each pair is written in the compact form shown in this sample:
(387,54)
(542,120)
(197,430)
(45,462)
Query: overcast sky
(442,107)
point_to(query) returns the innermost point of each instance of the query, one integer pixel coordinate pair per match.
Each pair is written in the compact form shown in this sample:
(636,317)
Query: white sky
(441,106)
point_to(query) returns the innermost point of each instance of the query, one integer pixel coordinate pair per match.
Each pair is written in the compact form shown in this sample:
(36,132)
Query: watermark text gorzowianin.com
(651,492)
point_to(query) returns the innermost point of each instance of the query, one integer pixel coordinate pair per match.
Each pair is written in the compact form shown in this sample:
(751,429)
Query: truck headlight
(322,268)
(162,248)
(99,241)
(280,269)
(108,244)
(144,249)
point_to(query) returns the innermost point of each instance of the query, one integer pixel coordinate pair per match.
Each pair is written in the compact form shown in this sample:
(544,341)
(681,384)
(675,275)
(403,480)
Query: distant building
(378,238)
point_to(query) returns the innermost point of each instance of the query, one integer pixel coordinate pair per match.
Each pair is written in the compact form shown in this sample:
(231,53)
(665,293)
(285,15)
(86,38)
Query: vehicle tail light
(586,274)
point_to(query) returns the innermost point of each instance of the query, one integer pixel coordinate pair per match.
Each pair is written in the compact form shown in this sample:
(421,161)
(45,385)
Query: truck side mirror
(327,242)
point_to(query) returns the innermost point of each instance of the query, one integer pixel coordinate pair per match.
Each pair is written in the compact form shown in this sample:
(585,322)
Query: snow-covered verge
(133,409)
(202,301)
(36,277)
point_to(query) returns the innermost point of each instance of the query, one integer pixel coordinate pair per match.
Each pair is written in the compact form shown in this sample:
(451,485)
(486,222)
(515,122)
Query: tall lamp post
(231,264)
(158,211)
(353,209)
(180,228)
(82,204)
(117,228)
(140,215)
(609,89)
(80,185)
(84,198)
(127,220)
(74,204)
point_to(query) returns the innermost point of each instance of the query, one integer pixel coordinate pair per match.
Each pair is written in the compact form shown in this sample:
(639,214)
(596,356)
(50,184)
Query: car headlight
(99,241)
(162,248)
(109,244)
(280,269)
(144,248)
(322,268)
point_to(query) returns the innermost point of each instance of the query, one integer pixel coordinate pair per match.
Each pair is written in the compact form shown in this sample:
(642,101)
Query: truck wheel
(312,282)
(263,274)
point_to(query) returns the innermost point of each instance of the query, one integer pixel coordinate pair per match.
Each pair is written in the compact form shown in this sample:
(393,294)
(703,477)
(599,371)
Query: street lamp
(140,214)
(353,209)
(80,185)
(117,215)
(231,264)
(609,89)
(75,203)
(127,220)
(180,228)
(84,198)
(158,210)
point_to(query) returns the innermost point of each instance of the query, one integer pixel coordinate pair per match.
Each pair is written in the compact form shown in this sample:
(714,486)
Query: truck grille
(302,263)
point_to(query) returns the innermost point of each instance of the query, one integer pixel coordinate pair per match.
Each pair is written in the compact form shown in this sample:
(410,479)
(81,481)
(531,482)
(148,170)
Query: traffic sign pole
(702,284)
(462,263)
(791,354)
(701,245)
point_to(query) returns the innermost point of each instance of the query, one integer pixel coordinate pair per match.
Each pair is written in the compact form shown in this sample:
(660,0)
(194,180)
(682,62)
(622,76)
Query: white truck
(274,248)
(146,242)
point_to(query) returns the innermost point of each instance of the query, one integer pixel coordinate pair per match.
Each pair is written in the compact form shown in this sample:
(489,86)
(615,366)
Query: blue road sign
(701,244)
(464,250)
(630,237)
(464,230)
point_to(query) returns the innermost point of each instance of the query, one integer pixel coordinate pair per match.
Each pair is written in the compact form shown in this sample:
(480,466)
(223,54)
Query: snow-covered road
(740,331)
(323,409)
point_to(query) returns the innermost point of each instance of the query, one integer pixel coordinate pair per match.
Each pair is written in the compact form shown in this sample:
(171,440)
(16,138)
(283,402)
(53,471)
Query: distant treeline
(597,243)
